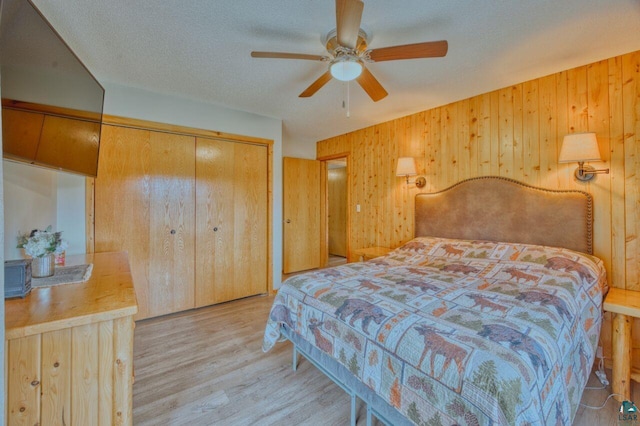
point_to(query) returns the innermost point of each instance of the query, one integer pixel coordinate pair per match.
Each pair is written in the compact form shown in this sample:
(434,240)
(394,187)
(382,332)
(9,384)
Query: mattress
(453,331)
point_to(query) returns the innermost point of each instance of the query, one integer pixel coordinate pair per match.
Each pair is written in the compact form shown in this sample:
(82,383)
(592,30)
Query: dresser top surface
(108,294)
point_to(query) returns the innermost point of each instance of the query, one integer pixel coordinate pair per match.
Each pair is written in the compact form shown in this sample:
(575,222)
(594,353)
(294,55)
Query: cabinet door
(21,133)
(172,210)
(231,220)
(122,196)
(61,136)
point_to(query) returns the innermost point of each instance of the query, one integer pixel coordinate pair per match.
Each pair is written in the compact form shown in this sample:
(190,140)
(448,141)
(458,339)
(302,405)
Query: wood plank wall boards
(515,132)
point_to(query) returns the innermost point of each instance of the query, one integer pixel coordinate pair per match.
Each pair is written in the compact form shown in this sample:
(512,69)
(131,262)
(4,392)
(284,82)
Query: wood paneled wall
(516,132)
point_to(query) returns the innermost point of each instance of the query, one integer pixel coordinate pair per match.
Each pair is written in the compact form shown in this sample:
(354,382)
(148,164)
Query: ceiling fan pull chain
(348,99)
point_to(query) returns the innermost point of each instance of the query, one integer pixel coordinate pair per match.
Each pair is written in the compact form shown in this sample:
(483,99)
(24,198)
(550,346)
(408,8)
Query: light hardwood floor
(206,367)
(336,260)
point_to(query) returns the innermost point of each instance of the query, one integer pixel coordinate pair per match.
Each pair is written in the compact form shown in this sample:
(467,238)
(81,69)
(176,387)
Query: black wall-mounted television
(51,104)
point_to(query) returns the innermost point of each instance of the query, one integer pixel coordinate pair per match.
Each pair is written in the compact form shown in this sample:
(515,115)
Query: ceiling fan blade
(348,17)
(316,85)
(429,49)
(281,55)
(371,85)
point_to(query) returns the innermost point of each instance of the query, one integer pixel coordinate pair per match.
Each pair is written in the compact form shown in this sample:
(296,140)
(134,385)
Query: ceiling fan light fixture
(346,68)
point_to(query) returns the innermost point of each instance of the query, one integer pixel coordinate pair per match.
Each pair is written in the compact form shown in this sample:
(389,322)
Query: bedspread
(453,331)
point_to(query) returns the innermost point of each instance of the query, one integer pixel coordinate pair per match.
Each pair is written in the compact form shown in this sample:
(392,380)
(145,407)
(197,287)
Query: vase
(43,266)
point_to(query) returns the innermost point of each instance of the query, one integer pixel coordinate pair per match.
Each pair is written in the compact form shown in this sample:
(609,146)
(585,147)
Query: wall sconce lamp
(407,167)
(581,147)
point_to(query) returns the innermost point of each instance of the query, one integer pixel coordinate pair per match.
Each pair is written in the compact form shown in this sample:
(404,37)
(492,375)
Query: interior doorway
(337,198)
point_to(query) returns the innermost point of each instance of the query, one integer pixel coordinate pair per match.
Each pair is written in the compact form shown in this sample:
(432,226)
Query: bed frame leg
(369,419)
(295,358)
(353,409)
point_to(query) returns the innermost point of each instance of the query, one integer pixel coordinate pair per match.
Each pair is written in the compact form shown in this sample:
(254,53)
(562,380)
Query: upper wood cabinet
(51,139)
(21,133)
(193,216)
(69,144)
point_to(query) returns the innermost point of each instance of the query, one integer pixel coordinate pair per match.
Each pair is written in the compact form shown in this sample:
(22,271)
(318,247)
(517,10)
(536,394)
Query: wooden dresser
(69,349)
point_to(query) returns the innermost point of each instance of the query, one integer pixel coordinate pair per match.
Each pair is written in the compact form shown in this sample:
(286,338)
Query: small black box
(17,278)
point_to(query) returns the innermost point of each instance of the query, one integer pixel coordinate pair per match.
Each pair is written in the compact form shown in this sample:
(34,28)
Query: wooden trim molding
(324,214)
(335,156)
(51,110)
(90,214)
(181,130)
(324,239)
(270,219)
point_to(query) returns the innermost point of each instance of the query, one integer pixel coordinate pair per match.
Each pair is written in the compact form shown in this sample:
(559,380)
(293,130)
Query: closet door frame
(187,131)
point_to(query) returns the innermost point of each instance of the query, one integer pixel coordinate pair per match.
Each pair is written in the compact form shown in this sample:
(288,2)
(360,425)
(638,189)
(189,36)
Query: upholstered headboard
(501,209)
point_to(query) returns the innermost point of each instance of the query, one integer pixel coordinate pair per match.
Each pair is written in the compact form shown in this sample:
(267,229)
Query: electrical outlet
(357,208)
(599,352)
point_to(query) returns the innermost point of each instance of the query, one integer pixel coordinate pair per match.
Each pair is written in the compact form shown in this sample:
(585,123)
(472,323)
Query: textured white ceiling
(200,49)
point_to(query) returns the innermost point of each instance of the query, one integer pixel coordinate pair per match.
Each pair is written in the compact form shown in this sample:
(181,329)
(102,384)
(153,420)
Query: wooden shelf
(621,301)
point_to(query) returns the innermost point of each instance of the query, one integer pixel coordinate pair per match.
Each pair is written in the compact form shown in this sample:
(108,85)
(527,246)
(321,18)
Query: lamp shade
(579,147)
(346,68)
(406,166)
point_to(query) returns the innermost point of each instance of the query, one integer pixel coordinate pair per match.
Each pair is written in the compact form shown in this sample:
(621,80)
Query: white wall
(70,211)
(35,197)
(30,196)
(145,105)
(297,148)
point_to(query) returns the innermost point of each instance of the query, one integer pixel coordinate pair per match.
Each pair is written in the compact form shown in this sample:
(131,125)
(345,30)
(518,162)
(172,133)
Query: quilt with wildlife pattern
(457,332)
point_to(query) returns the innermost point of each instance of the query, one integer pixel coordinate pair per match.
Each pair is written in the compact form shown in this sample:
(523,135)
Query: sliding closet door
(172,211)
(145,205)
(122,196)
(231,220)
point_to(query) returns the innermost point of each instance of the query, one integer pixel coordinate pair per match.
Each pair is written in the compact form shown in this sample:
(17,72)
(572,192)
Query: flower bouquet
(42,246)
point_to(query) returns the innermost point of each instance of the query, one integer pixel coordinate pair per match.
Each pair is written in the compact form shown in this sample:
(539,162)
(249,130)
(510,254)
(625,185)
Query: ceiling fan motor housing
(333,47)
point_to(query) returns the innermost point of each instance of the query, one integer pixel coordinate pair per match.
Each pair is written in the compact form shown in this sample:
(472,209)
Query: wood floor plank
(206,366)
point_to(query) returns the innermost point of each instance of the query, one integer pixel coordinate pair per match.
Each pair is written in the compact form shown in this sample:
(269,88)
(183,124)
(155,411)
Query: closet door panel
(122,196)
(171,244)
(250,179)
(214,219)
(231,215)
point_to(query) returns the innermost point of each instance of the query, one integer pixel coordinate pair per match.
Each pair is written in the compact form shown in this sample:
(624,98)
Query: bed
(491,315)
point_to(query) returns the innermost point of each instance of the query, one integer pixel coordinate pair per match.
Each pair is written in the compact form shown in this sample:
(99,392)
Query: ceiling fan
(347,52)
